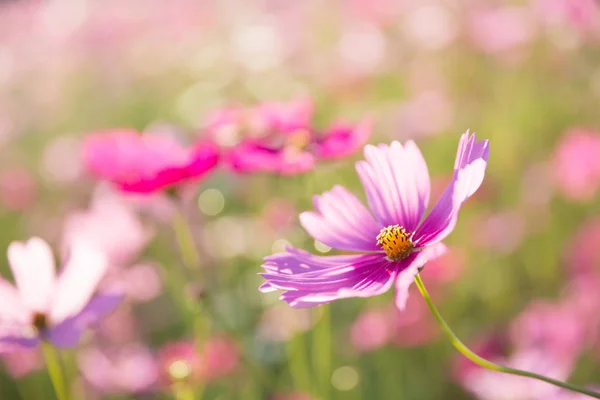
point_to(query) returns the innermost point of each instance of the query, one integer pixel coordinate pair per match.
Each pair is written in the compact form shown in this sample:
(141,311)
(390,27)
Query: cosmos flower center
(396,242)
(40,322)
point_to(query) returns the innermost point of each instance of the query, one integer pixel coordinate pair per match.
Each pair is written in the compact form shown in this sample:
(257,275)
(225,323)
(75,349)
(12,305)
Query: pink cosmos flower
(50,307)
(395,239)
(146,163)
(21,361)
(576,164)
(278,137)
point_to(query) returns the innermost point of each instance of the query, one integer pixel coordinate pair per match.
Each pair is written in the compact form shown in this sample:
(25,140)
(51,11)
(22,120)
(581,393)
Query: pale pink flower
(576,164)
(112,225)
(500,29)
(50,307)
(127,370)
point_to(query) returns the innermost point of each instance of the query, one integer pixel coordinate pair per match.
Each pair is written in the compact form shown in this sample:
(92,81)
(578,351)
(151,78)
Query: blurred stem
(184,392)
(482,362)
(298,362)
(321,351)
(185,240)
(55,370)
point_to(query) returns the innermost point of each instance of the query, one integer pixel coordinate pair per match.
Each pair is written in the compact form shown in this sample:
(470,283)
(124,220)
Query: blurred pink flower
(501,232)
(371,330)
(576,164)
(220,356)
(280,323)
(127,370)
(21,361)
(179,361)
(500,29)
(278,137)
(18,189)
(184,360)
(146,163)
(546,339)
(583,254)
(140,282)
(43,305)
(427,113)
(112,225)
(582,14)
(382,326)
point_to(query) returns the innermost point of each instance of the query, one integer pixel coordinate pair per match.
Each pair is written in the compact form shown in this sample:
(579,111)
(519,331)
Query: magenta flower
(50,307)
(394,241)
(146,163)
(279,138)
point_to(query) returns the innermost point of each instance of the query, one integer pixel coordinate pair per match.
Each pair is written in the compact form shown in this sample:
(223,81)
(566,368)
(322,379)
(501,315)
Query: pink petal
(469,170)
(249,157)
(341,222)
(78,281)
(396,181)
(33,268)
(308,285)
(415,262)
(342,140)
(11,307)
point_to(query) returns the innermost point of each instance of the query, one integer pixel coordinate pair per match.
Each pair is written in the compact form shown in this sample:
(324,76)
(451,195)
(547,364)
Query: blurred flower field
(162,156)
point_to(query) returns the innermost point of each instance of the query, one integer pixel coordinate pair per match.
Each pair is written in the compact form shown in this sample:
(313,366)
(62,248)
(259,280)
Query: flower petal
(414,263)
(69,331)
(33,268)
(469,170)
(342,140)
(313,280)
(396,181)
(11,307)
(341,222)
(78,281)
(249,157)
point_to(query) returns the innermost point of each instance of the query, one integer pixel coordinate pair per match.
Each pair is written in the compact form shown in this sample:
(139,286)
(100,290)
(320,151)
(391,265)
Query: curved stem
(460,346)
(55,370)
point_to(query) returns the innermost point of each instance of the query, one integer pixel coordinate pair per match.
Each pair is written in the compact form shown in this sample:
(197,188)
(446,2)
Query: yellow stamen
(396,242)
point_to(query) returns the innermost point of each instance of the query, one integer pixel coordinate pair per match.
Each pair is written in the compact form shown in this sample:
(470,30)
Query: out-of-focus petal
(33,268)
(249,158)
(342,140)
(77,283)
(68,332)
(469,170)
(396,181)
(358,276)
(11,307)
(341,222)
(146,163)
(414,263)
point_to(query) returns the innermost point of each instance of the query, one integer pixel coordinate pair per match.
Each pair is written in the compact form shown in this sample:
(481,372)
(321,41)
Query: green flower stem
(298,362)
(191,260)
(55,370)
(185,239)
(321,351)
(460,346)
